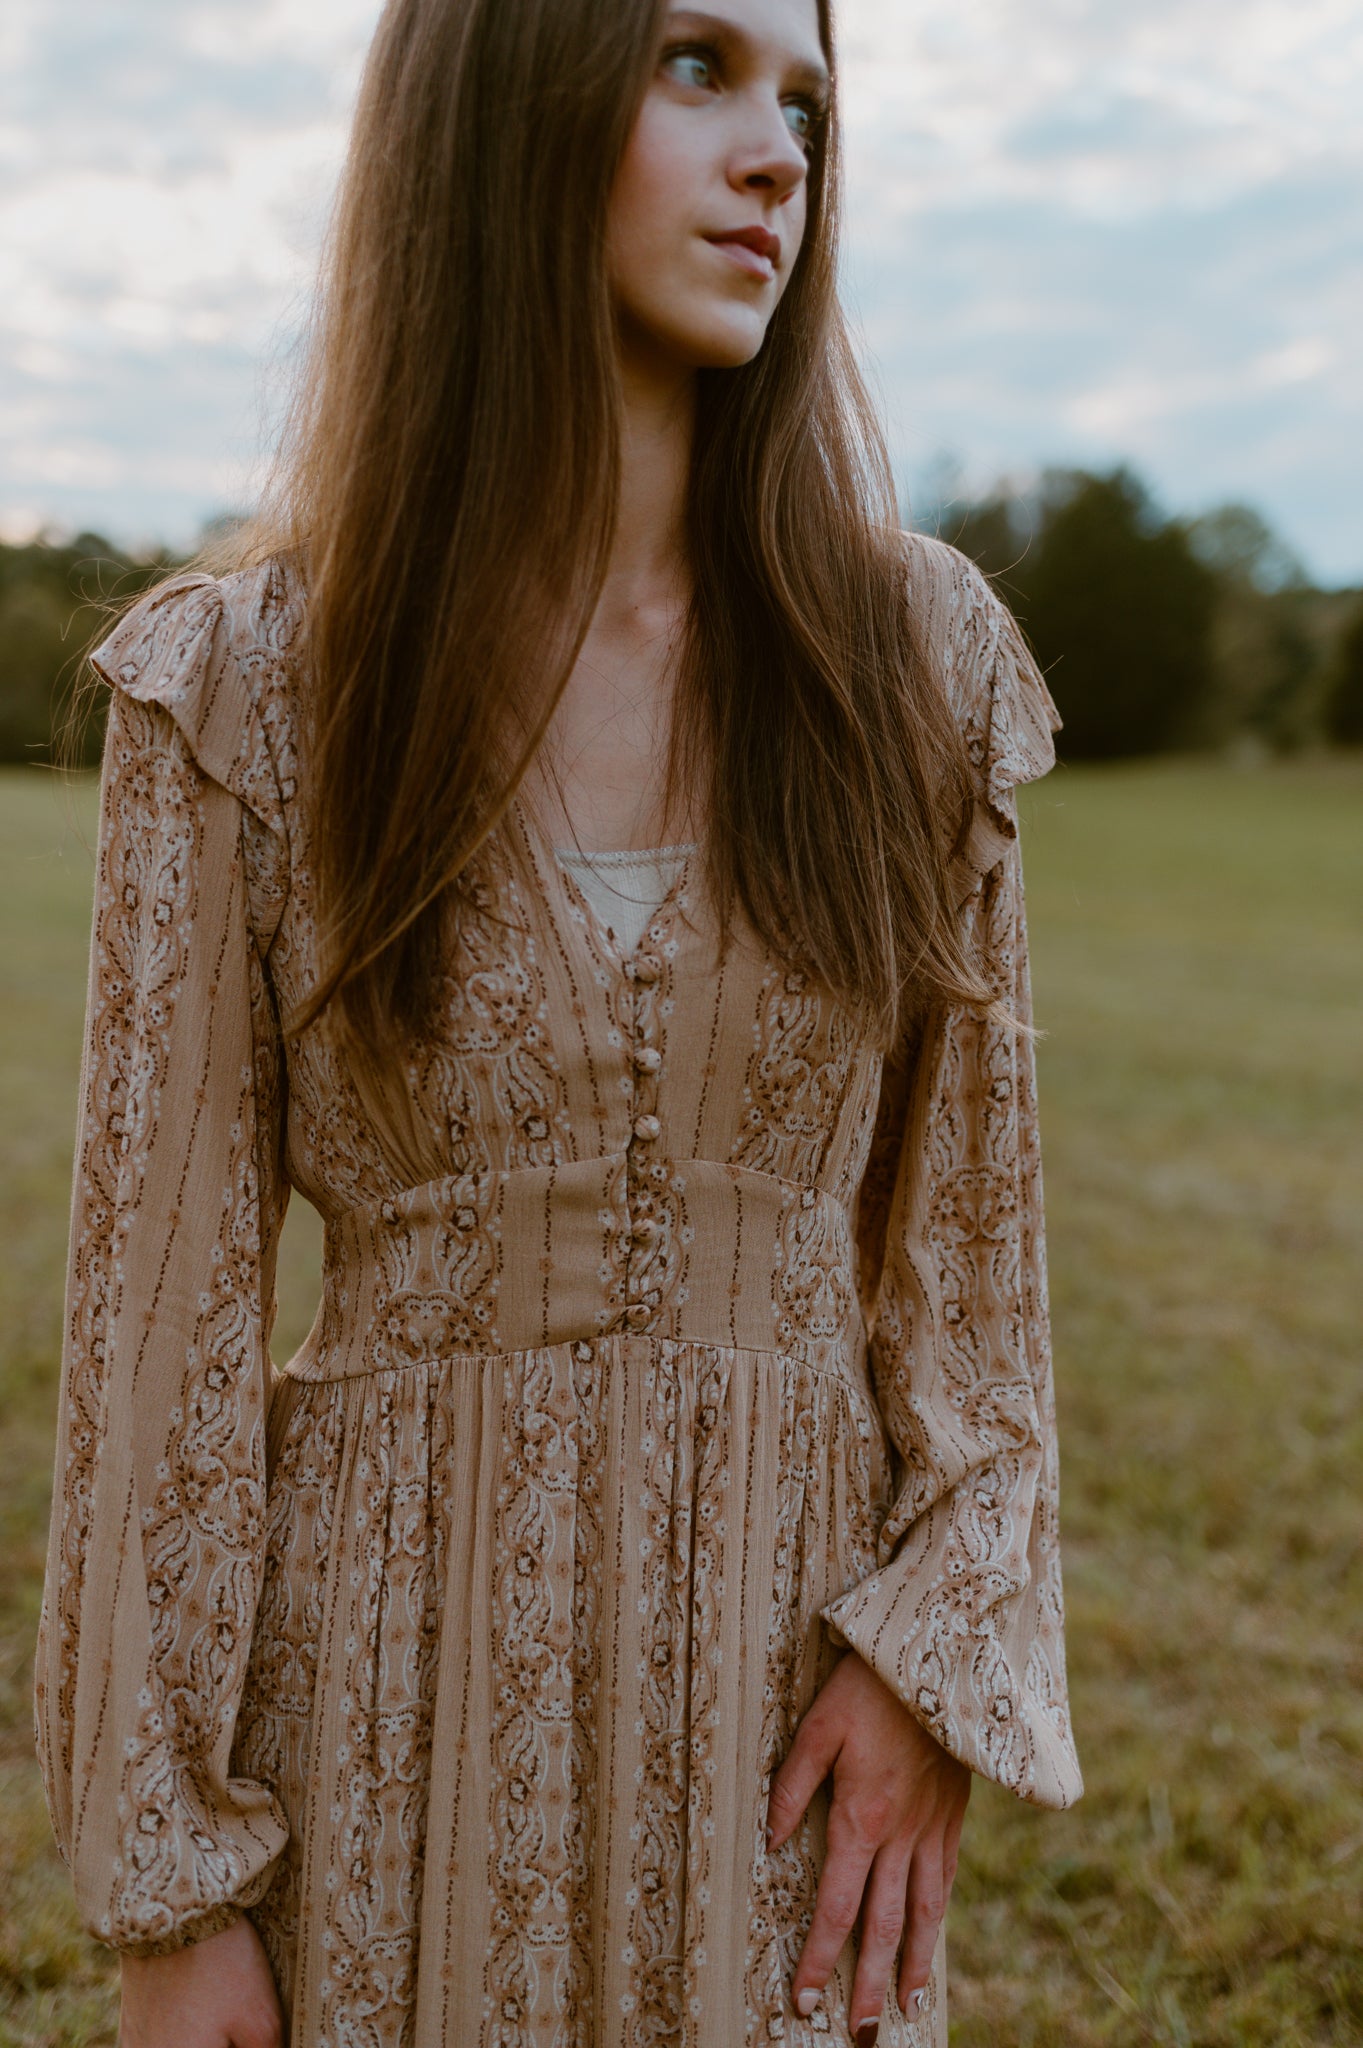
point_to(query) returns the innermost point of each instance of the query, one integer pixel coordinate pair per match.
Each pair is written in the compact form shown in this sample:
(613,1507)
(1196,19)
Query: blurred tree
(1120,612)
(995,532)
(33,622)
(1266,658)
(1238,544)
(1159,633)
(1344,704)
(54,601)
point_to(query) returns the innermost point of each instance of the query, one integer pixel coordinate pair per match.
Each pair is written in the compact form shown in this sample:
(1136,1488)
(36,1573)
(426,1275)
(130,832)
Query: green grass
(1197,940)
(1198,956)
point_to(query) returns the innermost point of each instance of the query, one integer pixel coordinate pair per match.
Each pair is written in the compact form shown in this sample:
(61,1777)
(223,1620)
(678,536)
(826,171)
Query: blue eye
(806,119)
(691,67)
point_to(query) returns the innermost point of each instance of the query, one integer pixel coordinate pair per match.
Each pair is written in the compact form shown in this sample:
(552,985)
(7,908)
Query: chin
(669,340)
(734,355)
(725,343)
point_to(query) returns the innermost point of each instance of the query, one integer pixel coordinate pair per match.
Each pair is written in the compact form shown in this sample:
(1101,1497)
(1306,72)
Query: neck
(648,563)
(599,780)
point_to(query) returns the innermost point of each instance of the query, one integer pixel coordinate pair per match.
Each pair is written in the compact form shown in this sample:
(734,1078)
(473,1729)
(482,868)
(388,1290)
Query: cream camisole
(625,888)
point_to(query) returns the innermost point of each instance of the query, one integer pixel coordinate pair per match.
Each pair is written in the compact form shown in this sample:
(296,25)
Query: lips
(754,249)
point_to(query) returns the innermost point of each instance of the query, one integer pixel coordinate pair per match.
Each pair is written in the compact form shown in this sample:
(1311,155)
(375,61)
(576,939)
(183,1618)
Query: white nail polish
(806,2002)
(918,1998)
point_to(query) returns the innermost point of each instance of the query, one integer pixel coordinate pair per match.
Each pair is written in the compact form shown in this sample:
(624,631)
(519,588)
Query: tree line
(1161,634)
(1156,634)
(56,600)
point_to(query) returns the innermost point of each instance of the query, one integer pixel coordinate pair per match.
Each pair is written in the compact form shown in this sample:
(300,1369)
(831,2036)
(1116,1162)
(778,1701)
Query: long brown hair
(448,487)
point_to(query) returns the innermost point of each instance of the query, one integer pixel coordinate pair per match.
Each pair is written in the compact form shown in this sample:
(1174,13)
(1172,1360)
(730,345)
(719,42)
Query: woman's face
(707,212)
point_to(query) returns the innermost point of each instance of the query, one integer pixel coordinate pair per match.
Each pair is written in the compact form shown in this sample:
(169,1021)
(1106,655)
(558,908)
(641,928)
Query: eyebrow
(809,72)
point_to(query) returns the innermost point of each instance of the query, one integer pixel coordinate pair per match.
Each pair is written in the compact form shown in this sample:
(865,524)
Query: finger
(269,2034)
(882,1924)
(261,2027)
(842,1886)
(927,1902)
(951,1847)
(810,1758)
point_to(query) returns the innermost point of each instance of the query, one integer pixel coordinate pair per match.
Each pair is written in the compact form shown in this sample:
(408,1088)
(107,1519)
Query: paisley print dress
(694,1344)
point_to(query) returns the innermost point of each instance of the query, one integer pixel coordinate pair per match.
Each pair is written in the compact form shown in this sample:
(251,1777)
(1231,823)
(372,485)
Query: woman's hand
(894,1829)
(217,1993)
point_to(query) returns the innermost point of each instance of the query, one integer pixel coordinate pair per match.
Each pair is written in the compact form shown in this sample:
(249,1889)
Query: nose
(770,159)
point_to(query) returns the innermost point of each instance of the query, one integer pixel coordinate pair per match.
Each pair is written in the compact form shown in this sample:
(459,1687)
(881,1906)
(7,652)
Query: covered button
(647,1128)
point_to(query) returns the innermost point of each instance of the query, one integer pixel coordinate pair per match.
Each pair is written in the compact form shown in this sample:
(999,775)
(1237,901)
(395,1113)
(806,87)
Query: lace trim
(622,857)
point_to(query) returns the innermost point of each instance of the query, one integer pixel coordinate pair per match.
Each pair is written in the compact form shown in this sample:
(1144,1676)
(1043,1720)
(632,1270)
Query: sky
(1078,232)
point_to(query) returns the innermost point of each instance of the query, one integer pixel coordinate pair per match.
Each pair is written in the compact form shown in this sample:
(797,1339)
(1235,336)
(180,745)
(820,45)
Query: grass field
(1198,958)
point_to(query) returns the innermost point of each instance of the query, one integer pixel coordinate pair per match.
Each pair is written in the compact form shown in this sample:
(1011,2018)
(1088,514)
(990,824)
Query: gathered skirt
(536,1628)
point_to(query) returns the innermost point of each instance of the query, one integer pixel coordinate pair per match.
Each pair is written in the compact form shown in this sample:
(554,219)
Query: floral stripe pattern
(679,1344)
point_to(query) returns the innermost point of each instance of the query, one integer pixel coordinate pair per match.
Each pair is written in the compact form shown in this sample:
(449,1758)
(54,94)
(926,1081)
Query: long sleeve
(963,1617)
(157,1533)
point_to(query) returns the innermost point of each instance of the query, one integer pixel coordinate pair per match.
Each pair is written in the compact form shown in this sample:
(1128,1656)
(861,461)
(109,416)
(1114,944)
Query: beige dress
(461,1650)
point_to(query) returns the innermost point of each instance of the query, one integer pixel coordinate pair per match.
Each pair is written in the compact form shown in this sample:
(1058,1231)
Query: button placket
(646,1060)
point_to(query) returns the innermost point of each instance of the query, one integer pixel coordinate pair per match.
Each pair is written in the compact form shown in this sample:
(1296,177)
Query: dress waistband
(690,1249)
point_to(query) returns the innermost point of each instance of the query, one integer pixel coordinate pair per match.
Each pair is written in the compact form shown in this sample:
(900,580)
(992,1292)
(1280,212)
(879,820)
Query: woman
(590,1635)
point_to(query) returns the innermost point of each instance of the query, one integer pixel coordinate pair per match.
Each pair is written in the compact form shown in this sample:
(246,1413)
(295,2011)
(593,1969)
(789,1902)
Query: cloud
(164,178)
(1074,231)
(1084,233)
(1067,94)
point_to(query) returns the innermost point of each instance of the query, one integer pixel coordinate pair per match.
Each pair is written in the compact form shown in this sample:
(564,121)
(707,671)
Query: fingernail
(918,1998)
(866,2033)
(770,1833)
(806,2002)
